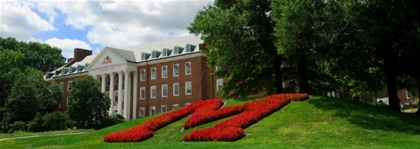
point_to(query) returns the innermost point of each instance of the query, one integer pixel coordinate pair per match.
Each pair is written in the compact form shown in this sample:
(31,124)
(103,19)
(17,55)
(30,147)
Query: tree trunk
(391,77)
(277,71)
(302,72)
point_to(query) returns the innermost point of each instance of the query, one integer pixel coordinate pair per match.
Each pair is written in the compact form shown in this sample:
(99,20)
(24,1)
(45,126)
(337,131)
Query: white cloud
(122,24)
(67,45)
(19,21)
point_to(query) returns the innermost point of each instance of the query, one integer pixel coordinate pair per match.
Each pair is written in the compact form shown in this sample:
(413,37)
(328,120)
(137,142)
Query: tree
(88,105)
(238,36)
(51,96)
(37,55)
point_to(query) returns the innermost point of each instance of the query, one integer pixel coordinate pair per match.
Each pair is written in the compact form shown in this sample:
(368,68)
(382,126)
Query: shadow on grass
(246,99)
(368,116)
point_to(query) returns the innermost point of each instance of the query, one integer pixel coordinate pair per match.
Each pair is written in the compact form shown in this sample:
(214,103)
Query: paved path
(32,136)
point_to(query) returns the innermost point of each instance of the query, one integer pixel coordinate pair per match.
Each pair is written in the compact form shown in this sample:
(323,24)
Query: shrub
(51,121)
(36,124)
(18,126)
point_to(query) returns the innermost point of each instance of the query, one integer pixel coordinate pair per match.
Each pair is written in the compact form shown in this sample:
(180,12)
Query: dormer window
(189,48)
(176,50)
(145,56)
(155,54)
(164,52)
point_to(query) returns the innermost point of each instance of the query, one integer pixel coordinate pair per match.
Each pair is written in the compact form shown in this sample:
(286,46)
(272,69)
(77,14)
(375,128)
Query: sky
(94,24)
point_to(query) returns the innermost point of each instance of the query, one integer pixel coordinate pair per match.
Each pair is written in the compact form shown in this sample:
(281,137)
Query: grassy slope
(317,122)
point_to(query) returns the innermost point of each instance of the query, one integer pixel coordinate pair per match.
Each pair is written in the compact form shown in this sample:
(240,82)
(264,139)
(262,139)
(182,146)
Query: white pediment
(105,59)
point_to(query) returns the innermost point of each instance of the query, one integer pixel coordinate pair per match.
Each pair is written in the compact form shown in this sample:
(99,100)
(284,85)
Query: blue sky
(95,24)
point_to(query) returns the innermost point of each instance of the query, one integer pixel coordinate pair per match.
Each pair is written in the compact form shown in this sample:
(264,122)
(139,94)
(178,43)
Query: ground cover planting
(144,131)
(206,111)
(233,128)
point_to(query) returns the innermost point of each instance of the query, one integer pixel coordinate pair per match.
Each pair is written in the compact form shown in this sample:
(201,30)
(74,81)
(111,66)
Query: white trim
(68,99)
(150,110)
(186,73)
(164,68)
(186,88)
(142,74)
(175,105)
(165,87)
(142,94)
(153,77)
(62,86)
(173,69)
(173,89)
(217,84)
(187,104)
(151,91)
(161,109)
(142,114)
(68,85)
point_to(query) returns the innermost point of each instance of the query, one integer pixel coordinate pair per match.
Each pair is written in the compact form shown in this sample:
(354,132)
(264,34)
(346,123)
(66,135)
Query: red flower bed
(232,129)
(209,114)
(145,130)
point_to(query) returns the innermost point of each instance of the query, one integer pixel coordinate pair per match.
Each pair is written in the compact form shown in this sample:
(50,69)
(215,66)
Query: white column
(126,91)
(103,77)
(120,75)
(111,92)
(135,95)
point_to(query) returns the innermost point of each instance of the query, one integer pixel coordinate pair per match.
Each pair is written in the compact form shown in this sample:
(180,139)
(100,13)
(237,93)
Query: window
(62,86)
(176,70)
(408,93)
(176,89)
(152,110)
(142,93)
(142,75)
(108,80)
(117,79)
(165,90)
(153,73)
(219,84)
(68,100)
(153,92)
(175,106)
(187,68)
(141,111)
(115,97)
(69,86)
(188,89)
(107,94)
(164,72)
(187,104)
(163,109)
(217,68)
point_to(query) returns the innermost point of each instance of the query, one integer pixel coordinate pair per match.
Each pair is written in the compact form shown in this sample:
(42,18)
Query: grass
(319,122)
(23,133)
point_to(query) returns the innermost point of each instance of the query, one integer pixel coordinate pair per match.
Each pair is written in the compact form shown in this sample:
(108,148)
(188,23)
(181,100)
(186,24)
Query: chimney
(79,53)
(202,46)
(69,60)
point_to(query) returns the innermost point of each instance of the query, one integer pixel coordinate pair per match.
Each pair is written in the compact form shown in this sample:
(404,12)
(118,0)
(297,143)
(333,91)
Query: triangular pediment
(106,58)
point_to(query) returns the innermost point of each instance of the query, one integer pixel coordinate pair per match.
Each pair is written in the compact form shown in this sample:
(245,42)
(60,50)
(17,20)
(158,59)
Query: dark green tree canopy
(88,105)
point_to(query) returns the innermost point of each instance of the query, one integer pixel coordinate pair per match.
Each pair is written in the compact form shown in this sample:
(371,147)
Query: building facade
(144,80)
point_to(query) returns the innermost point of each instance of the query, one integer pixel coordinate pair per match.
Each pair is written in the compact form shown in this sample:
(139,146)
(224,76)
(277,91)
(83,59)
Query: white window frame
(187,104)
(62,86)
(173,91)
(150,110)
(142,74)
(153,73)
(69,86)
(190,68)
(68,99)
(142,94)
(161,109)
(151,91)
(175,105)
(173,71)
(164,71)
(218,81)
(140,112)
(217,68)
(186,88)
(408,94)
(165,89)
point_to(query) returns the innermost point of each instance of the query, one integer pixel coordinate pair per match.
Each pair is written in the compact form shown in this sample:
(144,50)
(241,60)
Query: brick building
(144,80)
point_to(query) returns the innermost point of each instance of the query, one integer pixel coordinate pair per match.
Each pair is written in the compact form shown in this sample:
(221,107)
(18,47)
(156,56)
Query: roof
(127,55)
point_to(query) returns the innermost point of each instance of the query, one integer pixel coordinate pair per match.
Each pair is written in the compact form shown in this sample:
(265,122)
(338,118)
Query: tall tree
(238,36)
(88,105)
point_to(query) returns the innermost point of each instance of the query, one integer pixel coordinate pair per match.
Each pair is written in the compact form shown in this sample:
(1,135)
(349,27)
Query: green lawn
(319,122)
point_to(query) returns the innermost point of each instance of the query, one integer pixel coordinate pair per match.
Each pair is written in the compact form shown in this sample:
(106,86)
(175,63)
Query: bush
(50,121)
(18,126)
(112,120)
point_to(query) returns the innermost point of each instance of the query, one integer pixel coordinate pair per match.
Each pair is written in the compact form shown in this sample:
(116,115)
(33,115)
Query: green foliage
(18,126)
(238,36)
(88,105)
(51,96)
(50,121)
